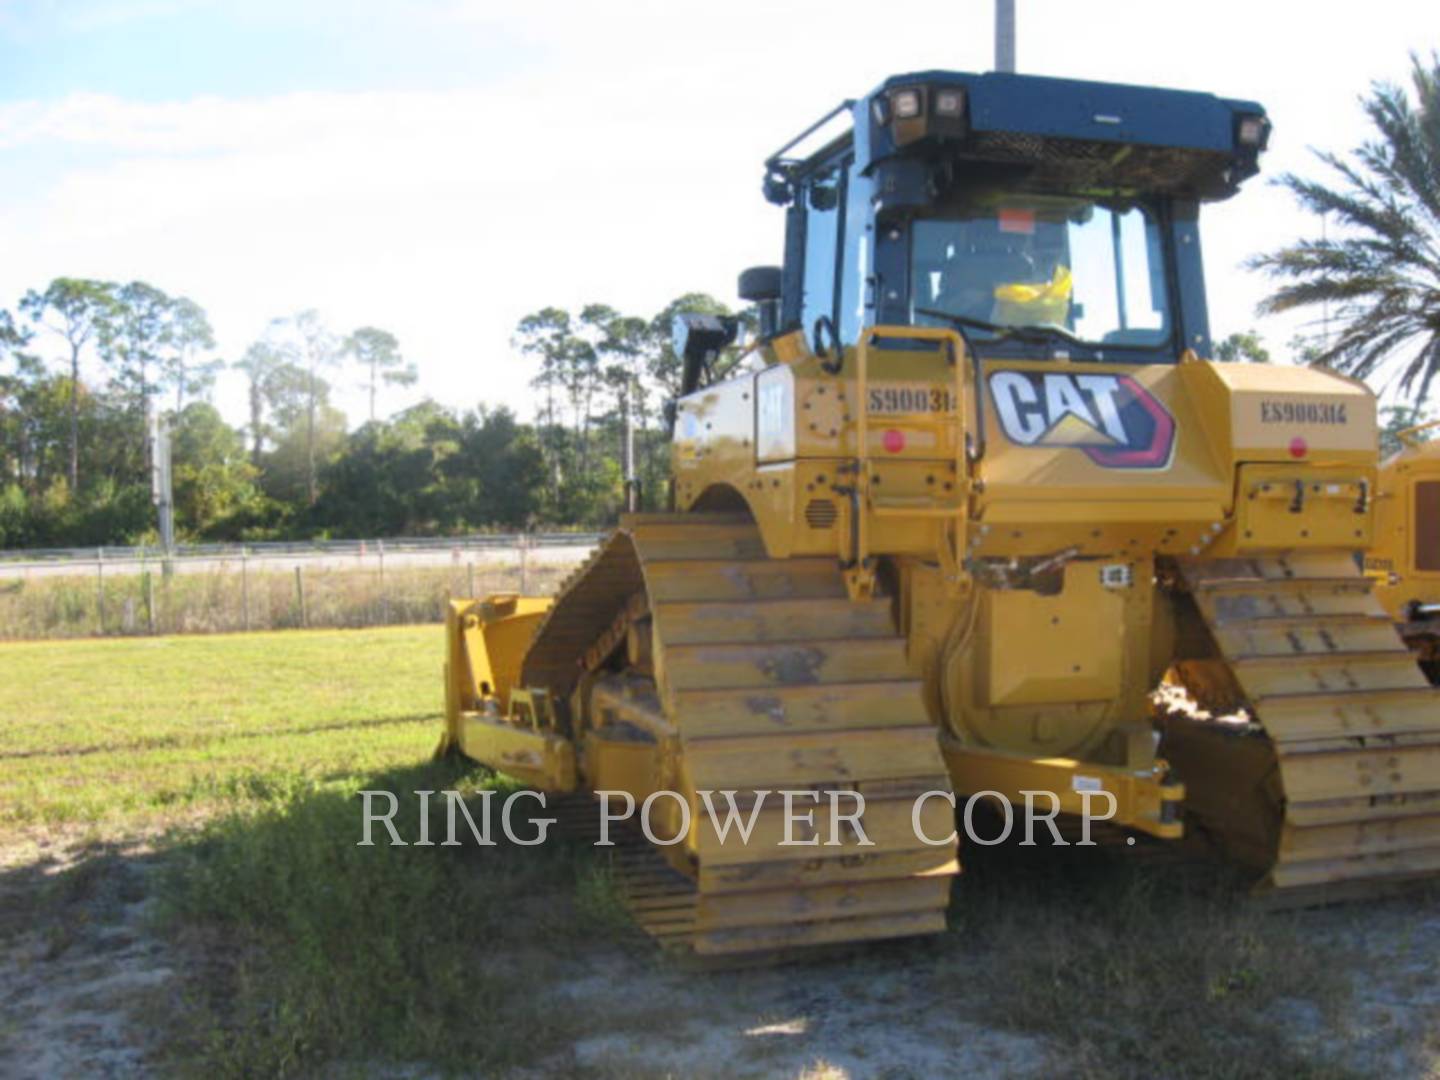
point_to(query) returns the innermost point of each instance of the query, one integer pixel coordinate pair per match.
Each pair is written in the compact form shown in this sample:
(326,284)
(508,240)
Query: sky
(441,168)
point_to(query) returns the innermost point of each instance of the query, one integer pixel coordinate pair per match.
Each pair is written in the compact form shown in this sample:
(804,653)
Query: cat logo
(1112,418)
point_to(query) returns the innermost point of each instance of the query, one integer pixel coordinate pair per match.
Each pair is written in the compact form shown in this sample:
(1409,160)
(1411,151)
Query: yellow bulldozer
(972,514)
(1405,561)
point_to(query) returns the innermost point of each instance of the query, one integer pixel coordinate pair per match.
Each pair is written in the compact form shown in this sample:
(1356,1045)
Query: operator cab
(1042,218)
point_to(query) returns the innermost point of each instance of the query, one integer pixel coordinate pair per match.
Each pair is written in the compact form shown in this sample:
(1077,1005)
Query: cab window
(1093,270)
(822,232)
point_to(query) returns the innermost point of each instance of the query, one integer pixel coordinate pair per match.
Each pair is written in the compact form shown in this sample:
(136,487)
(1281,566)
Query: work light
(906,104)
(1251,131)
(949,102)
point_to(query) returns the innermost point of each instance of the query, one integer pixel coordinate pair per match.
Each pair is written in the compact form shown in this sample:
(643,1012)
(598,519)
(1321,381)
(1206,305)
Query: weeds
(126,603)
(1137,971)
(342,952)
(598,905)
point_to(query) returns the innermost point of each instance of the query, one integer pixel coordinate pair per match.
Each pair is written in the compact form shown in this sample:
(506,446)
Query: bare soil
(89,979)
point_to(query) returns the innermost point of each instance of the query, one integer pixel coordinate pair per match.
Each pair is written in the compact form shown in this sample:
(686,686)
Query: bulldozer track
(1333,789)
(660,901)
(759,676)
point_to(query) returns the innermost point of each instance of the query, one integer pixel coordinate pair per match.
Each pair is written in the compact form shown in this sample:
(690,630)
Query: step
(697,527)
(717,621)
(1350,714)
(821,903)
(690,667)
(1361,658)
(1262,586)
(1343,811)
(1359,838)
(728,579)
(827,758)
(1307,567)
(1279,675)
(809,707)
(1374,867)
(1301,639)
(1369,772)
(698,539)
(836,865)
(1236,607)
(1311,621)
(672,517)
(828,932)
(888,823)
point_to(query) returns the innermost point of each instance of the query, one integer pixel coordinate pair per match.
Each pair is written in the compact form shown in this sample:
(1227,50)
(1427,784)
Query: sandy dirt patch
(88,975)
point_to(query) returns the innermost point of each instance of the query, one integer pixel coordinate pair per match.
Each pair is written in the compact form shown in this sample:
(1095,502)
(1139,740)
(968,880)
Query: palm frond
(1381,276)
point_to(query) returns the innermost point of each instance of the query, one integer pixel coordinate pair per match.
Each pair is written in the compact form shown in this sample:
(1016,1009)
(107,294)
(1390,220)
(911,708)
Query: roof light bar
(1252,131)
(950,103)
(906,104)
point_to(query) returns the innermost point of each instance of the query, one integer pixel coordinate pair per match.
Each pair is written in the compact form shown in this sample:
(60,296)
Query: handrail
(1407,436)
(778,157)
(954,348)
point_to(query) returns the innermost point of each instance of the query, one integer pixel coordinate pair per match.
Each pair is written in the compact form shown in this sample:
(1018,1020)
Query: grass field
(210,785)
(132,732)
(238,759)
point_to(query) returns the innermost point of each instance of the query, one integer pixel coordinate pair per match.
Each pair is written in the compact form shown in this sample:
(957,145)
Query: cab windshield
(1094,271)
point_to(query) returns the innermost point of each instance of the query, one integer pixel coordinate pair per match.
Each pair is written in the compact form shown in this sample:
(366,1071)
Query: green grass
(129,732)
(239,759)
(322,950)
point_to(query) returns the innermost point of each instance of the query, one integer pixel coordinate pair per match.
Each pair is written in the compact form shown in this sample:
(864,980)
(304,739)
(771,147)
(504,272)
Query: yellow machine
(973,516)
(1405,561)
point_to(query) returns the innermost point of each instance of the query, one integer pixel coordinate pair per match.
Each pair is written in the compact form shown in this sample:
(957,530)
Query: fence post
(244,587)
(523,541)
(100,587)
(384,598)
(150,601)
(300,594)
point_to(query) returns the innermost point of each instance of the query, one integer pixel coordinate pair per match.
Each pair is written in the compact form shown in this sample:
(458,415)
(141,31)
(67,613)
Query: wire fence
(215,588)
(23,557)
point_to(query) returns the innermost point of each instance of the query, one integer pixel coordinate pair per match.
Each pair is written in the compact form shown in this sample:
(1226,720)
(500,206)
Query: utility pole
(1005,35)
(161,489)
(632,485)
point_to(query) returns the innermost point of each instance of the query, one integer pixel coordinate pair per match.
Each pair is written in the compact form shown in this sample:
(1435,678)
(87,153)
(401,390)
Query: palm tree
(1381,276)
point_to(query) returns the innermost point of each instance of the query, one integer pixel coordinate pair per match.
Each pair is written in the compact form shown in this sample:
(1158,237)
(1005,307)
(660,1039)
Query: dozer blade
(1338,777)
(771,681)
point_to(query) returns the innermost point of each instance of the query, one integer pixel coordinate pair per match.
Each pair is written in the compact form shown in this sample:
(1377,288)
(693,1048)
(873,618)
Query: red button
(894,441)
(1298,447)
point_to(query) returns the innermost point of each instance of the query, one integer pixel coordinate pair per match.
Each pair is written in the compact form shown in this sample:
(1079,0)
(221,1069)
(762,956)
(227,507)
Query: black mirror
(759,284)
(698,339)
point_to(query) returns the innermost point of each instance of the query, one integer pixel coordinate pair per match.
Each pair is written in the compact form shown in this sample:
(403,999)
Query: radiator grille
(820,513)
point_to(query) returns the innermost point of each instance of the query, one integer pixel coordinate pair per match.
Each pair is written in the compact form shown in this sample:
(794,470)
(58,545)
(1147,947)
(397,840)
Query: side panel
(775,415)
(1096,457)
(1405,558)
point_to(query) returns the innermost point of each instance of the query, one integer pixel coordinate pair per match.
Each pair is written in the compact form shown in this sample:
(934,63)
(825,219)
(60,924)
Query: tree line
(74,466)
(86,365)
